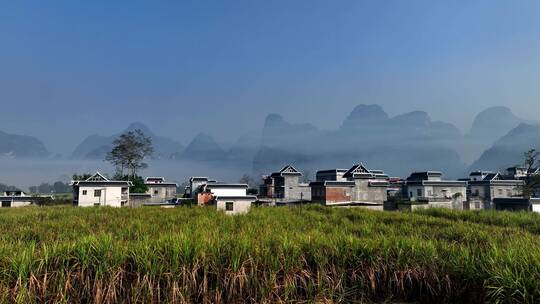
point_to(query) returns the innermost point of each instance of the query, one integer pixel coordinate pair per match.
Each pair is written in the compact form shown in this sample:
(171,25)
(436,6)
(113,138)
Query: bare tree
(532,180)
(129,152)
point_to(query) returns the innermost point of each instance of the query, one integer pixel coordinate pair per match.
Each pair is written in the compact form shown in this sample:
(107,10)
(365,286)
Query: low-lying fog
(24,173)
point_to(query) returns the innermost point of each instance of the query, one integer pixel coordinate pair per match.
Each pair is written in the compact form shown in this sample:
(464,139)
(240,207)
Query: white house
(234,204)
(231,198)
(97,190)
(16,199)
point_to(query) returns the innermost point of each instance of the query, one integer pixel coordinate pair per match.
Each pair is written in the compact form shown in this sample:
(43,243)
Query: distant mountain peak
(96,146)
(14,146)
(492,123)
(140,126)
(415,117)
(365,114)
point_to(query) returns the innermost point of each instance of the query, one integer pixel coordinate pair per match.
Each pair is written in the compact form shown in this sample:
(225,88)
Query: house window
(500,192)
(84,192)
(156,192)
(229,206)
(418,192)
(429,193)
(97,193)
(508,193)
(410,194)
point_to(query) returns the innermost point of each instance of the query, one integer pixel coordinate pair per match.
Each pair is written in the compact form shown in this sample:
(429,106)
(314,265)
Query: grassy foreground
(311,254)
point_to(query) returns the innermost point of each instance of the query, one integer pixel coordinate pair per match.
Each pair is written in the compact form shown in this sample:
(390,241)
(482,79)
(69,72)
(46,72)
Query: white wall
(536,208)
(239,207)
(229,191)
(19,203)
(110,196)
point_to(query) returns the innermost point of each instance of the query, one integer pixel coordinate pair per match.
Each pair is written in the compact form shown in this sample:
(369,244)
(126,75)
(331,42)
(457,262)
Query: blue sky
(73,68)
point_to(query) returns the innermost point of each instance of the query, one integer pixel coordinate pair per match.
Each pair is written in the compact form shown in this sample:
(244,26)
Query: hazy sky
(73,68)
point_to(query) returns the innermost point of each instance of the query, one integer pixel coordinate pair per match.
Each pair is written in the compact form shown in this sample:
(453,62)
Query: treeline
(4,188)
(56,187)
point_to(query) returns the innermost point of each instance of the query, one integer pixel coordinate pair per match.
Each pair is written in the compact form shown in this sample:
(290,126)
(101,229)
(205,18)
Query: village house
(516,172)
(517,204)
(357,186)
(231,198)
(286,186)
(98,190)
(16,199)
(428,189)
(159,189)
(485,186)
(266,189)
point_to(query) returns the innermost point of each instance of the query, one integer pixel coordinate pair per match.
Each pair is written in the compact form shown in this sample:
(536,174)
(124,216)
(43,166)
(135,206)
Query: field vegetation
(307,254)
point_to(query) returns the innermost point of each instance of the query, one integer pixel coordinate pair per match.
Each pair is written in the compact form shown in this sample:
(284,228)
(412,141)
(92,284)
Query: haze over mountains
(399,144)
(97,146)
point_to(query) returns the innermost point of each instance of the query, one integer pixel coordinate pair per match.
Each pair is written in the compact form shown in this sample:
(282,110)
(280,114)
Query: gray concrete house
(287,185)
(485,186)
(428,189)
(159,189)
(357,186)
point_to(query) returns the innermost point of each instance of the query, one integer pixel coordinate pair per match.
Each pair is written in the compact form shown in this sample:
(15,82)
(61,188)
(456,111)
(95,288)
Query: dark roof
(101,183)
(332,171)
(161,184)
(333,184)
(287,170)
(480,172)
(436,183)
(355,169)
(423,175)
(500,182)
(18,198)
(194,178)
(154,178)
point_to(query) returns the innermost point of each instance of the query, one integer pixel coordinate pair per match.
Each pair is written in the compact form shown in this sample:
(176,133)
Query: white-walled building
(234,204)
(16,199)
(231,198)
(97,190)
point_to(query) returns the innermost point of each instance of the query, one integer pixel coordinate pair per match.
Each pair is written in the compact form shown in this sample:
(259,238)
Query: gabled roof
(492,176)
(356,169)
(98,177)
(287,170)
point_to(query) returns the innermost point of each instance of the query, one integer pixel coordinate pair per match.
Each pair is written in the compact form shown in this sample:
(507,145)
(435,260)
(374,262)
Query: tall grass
(310,254)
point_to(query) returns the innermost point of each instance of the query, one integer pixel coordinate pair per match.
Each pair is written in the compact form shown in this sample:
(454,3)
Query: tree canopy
(129,152)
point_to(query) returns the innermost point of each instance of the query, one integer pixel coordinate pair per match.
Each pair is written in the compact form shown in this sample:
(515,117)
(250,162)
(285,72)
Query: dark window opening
(229,206)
